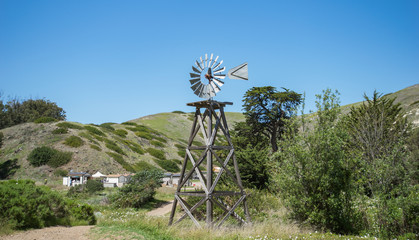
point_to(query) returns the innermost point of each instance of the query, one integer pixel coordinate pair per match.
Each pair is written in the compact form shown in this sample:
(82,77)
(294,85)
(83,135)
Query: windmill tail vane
(207,76)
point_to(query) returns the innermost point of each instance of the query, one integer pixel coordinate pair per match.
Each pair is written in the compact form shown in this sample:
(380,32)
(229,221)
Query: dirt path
(52,233)
(162,210)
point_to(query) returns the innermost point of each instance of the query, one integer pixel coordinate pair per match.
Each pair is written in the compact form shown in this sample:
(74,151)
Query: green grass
(73,141)
(157,143)
(159,154)
(95,147)
(69,125)
(121,161)
(95,131)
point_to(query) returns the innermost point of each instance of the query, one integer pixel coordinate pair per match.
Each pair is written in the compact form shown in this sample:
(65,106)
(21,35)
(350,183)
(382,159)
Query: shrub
(121,132)
(157,143)
(142,166)
(45,120)
(59,158)
(94,131)
(181,153)
(107,126)
(95,147)
(60,131)
(25,205)
(1,139)
(93,186)
(8,168)
(136,149)
(121,161)
(139,190)
(40,156)
(129,123)
(112,146)
(73,141)
(69,125)
(160,139)
(168,165)
(144,135)
(180,112)
(60,172)
(46,155)
(156,153)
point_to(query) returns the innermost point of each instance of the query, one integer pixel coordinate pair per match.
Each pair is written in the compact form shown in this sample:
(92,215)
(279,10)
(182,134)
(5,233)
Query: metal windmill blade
(206,77)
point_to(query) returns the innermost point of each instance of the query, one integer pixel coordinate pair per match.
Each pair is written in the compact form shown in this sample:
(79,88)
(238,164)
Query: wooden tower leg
(209,195)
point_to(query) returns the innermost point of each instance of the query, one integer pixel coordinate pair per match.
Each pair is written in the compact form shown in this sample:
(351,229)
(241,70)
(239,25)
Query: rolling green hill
(151,141)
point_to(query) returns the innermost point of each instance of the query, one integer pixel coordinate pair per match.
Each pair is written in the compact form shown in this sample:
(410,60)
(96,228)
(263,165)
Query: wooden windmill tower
(211,124)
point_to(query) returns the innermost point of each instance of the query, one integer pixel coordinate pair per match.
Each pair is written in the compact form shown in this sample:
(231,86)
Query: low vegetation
(159,154)
(139,191)
(24,205)
(48,156)
(73,141)
(168,165)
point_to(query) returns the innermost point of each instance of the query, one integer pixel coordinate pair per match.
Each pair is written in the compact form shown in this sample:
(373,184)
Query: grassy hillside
(151,141)
(156,141)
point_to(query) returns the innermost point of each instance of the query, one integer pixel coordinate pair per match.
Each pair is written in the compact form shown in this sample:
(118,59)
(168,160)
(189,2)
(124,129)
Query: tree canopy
(15,112)
(266,109)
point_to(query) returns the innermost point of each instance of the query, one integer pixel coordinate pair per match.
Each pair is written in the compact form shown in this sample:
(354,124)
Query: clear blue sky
(113,61)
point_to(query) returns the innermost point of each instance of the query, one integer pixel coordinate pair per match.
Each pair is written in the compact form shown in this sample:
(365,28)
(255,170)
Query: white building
(76,178)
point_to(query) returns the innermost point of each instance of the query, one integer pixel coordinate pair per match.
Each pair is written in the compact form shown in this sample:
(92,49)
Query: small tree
(378,134)
(139,190)
(314,174)
(265,110)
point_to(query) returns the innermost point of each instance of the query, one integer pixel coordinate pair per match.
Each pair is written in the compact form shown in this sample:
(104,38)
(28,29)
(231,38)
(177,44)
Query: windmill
(206,81)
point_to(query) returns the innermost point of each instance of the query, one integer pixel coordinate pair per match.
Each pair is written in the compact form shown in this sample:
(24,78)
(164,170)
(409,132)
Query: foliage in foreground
(24,205)
(139,190)
(351,175)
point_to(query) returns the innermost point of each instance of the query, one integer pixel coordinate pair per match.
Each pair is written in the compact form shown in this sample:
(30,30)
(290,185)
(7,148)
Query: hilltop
(155,141)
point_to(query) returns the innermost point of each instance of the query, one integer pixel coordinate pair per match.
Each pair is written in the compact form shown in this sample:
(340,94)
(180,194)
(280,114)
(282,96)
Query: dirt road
(162,210)
(52,233)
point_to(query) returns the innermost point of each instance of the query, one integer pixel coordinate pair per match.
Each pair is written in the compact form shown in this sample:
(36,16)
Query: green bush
(60,131)
(81,212)
(24,205)
(139,190)
(40,156)
(8,168)
(129,123)
(179,112)
(168,165)
(112,146)
(59,158)
(137,149)
(121,161)
(142,166)
(160,139)
(93,186)
(69,125)
(46,155)
(95,147)
(121,132)
(94,131)
(60,172)
(157,143)
(45,120)
(73,141)
(1,139)
(156,153)
(181,153)
(144,135)
(107,126)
